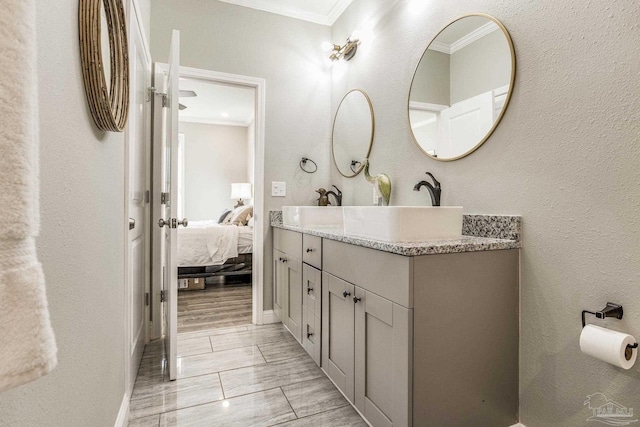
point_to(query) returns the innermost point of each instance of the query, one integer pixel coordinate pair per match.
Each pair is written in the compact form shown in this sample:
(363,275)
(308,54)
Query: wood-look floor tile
(270,375)
(152,421)
(209,363)
(214,307)
(212,332)
(251,337)
(276,351)
(342,417)
(193,346)
(171,395)
(313,397)
(258,409)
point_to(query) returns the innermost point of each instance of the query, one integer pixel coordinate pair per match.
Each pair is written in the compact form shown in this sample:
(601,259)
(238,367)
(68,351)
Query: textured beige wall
(214,157)
(286,53)
(565,157)
(81,243)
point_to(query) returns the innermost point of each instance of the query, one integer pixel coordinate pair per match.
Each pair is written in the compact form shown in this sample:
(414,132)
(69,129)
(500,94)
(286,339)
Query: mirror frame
(109,105)
(506,102)
(333,129)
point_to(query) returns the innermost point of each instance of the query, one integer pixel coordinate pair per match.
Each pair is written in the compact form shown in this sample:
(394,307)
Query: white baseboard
(518,425)
(268,316)
(123,414)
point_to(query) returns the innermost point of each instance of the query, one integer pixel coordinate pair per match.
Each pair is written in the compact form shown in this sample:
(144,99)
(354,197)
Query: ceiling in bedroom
(217,103)
(323,12)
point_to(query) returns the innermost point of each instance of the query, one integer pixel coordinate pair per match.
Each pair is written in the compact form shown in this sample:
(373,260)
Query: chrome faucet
(434,190)
(337,196)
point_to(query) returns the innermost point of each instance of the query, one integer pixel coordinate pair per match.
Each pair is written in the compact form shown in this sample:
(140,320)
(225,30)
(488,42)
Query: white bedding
(209,243)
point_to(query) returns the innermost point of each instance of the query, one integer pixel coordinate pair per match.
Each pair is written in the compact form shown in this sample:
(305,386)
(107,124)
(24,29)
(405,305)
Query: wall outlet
(278,189)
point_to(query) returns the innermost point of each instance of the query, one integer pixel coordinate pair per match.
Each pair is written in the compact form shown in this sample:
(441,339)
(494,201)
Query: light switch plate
(278,189)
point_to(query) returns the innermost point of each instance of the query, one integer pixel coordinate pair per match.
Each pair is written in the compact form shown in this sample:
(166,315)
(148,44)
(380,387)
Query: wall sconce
(345,52)
(240,191)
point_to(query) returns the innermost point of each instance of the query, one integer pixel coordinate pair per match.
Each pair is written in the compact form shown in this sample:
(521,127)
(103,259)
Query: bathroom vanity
(413,334)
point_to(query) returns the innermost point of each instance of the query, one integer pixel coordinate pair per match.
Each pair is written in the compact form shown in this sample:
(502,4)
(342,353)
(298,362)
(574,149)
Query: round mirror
(104,54)
(352,135)
(461,87)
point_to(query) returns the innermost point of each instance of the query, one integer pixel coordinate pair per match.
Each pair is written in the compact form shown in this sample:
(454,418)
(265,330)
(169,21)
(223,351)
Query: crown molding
(476,34)
(329,19)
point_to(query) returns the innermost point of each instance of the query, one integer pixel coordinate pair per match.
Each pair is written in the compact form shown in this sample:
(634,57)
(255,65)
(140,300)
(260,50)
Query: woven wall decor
(109,105)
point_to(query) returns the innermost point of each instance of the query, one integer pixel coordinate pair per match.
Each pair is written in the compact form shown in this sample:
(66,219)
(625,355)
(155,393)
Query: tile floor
(220,305)
(241,376)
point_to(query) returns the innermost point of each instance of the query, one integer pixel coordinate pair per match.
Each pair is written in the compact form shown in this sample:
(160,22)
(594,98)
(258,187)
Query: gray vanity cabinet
(428,340)
(382,360)
(288,280)
(366,350)
(311,311)
(338,332)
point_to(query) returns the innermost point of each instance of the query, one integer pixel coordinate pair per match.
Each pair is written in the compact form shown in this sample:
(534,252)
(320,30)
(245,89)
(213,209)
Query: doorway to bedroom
(216,147)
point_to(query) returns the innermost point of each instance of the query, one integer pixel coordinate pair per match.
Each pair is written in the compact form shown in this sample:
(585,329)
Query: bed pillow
(225,213)
(240,215)
(250,222)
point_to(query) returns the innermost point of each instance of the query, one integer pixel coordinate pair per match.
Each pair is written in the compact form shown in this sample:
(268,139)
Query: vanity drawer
(312,250)
(288,242)
(311,335)
(385,274)
(312,290)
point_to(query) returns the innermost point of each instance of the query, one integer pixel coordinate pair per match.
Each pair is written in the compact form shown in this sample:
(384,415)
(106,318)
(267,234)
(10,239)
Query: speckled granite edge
(507,227)
(471,241)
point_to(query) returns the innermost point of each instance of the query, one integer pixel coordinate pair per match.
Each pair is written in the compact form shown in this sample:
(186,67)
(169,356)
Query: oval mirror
(461,87)
(352,134)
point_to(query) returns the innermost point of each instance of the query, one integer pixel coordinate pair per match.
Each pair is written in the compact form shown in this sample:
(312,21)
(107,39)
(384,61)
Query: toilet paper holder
(610,310)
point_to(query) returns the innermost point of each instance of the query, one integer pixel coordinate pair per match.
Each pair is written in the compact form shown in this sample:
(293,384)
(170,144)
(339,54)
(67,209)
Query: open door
(169,222)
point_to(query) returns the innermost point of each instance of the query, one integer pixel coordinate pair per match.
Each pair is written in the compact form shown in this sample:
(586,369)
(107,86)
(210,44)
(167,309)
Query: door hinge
(174,223)
(147,196)
(153,91)
(147,298)
(163,296)
(164,198)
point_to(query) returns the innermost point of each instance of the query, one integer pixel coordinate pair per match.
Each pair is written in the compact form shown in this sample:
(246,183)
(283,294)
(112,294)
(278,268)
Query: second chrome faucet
(434,190)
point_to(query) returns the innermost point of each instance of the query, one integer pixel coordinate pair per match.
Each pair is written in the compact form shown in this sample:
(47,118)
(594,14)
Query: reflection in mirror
(352,133)
(461,87)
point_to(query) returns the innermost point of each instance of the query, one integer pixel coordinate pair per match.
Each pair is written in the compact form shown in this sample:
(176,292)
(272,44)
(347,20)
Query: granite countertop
(480,233)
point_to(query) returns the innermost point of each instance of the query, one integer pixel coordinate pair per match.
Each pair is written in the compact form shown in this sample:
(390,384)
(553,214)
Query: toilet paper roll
(608,346)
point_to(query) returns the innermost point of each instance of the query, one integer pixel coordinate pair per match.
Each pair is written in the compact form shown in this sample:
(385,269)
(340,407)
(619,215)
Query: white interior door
(464,124)
(170,222)
(137,205)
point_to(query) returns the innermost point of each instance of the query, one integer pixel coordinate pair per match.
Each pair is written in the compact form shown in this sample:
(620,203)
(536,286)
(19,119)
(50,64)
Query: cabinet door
(382,360)
(311,305)
(278,278)
(312,289)
(337,332)
(292,268)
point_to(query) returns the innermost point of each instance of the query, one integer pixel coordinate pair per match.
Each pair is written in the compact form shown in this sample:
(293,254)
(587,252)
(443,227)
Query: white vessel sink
(403,223)
(304,216)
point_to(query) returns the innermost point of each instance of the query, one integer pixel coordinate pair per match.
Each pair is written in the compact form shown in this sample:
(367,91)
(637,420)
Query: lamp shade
(241,190)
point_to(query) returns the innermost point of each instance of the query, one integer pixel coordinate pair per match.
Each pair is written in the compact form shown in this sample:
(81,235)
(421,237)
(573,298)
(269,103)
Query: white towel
(27,344)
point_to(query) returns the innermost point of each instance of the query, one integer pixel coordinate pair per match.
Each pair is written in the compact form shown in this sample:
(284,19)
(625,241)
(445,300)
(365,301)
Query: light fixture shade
(241,190)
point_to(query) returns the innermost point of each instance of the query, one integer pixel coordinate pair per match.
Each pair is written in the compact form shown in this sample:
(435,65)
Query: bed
(207,249)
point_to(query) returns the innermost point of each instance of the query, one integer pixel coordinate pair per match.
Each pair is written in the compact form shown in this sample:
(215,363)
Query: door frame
(136,31)
(259,85)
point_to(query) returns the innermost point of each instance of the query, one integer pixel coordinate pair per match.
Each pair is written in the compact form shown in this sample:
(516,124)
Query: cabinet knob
(309,334)
(356,299)
(284,260)
(309,290)
(309,250)
(346,294)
